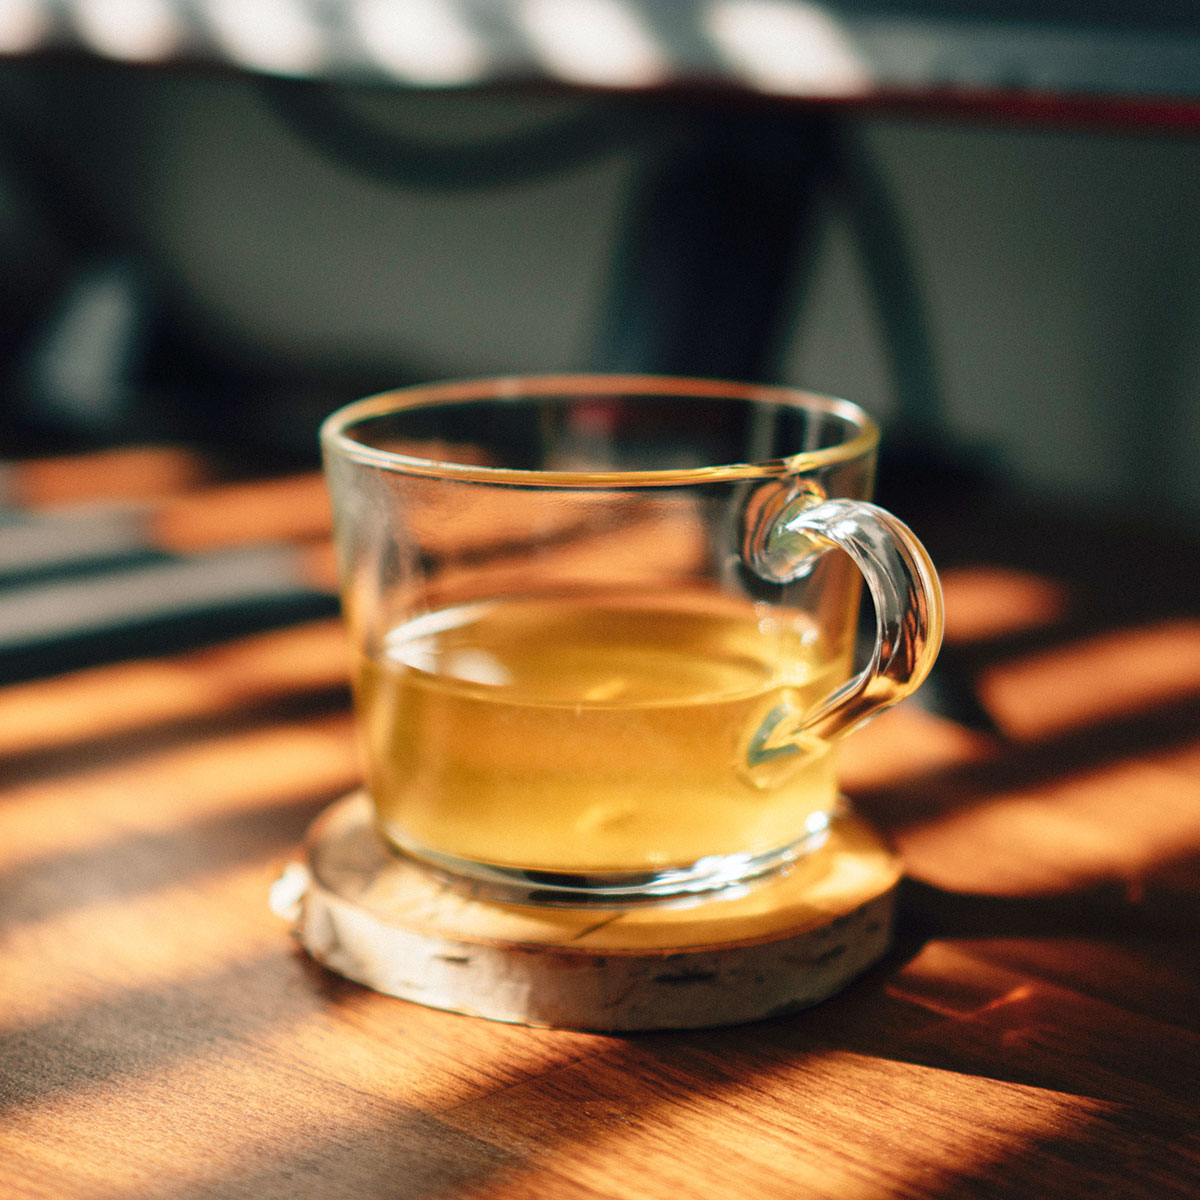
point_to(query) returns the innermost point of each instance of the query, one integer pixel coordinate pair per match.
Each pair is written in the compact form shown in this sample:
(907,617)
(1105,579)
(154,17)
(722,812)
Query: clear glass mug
(604,635)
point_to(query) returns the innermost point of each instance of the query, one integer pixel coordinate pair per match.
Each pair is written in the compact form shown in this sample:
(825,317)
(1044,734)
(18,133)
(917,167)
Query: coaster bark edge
(778,946)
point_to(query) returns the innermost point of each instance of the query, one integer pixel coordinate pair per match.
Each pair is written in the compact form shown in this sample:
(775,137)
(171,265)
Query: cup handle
(904,588)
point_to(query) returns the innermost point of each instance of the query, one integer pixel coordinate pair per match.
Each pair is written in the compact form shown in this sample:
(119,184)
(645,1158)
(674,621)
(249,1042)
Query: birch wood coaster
(781,945)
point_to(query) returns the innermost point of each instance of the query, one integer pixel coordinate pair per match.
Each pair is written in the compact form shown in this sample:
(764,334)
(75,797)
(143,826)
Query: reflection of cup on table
(603,651)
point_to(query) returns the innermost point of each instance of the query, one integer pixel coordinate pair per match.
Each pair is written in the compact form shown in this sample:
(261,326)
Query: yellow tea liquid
(593,734)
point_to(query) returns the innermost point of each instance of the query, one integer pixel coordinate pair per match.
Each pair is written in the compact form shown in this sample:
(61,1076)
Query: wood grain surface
(1034,1032)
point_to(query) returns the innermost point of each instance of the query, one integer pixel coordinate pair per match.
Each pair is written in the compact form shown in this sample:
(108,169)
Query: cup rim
(335,436)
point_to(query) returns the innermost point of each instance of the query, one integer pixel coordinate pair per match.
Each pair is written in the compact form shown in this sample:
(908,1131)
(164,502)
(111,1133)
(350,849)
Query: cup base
(708,878)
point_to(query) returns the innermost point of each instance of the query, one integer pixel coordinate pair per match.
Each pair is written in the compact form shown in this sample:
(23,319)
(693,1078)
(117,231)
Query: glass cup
(605,626)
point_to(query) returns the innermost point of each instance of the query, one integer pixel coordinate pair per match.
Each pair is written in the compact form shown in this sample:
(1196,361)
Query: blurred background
(977,221)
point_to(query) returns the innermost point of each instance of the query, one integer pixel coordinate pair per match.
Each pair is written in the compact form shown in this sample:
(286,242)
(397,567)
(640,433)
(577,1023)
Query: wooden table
(1036,1031)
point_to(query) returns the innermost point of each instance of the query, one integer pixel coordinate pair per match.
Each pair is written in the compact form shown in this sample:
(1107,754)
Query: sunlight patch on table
(905,743)
(259,769)
(1112,825)
(291,507)
(125,473)
(113,947)
(1120,673)
(200,683)
(984,602)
